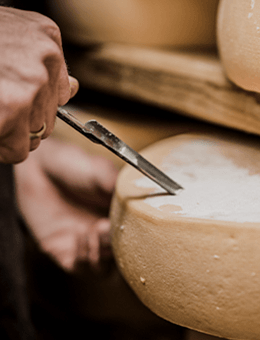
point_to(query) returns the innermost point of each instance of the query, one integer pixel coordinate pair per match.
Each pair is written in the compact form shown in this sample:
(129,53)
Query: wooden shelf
(192,83)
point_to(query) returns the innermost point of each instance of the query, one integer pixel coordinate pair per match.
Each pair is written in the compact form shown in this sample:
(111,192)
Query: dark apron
(14,307)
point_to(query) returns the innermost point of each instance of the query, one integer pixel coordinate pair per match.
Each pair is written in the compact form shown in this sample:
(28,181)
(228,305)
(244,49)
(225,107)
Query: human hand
(33,80)
(64,195)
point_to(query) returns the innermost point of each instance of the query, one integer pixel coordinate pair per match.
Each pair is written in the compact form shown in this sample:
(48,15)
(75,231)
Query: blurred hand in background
(64,196)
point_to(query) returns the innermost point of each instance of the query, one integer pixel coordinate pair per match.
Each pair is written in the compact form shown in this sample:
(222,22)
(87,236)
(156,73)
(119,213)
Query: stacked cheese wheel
(238,31)
(193,258)
(159,22)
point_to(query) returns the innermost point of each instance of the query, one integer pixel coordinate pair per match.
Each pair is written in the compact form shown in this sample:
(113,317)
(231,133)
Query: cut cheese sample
(158,22)
(238,33)
(193,258)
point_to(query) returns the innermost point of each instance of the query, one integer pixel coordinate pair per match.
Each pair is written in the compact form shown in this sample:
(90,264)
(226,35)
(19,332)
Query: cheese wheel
(159,22)
(238,35)
(193,258)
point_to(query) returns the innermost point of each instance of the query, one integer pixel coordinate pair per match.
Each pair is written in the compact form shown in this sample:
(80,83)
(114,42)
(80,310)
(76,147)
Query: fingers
(62,248)
(33,80)
(89,180)
(49,110)
(104,174)
(93,247)
(11,150)
(69,248)
(15,112)
(104,227)
(44,112)
(34,143)
(96,245)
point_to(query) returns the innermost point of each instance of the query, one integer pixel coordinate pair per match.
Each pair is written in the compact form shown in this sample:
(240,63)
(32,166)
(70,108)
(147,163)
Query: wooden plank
(193,83)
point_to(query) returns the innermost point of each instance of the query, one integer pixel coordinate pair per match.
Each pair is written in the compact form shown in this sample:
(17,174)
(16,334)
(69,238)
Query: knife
(97,133)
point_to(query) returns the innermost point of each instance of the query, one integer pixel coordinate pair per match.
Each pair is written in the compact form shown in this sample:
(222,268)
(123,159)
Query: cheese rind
(201,273)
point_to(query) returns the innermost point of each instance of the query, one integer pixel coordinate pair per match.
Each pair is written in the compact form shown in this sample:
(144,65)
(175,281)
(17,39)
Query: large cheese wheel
(158,22)
(238,34)
(194,258)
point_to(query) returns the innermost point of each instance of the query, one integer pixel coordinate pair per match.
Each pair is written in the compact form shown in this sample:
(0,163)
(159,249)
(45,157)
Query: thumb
(74,86)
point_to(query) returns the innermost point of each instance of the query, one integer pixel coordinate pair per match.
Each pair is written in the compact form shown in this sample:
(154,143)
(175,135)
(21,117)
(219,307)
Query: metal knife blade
(97,133)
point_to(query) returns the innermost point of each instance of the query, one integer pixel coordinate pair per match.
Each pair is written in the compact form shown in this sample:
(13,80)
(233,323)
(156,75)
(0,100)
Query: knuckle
(20,157)
(20,151)
(50,29)
(49,48)
(53,31)
(45,24)
(13,156)
(50,56)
